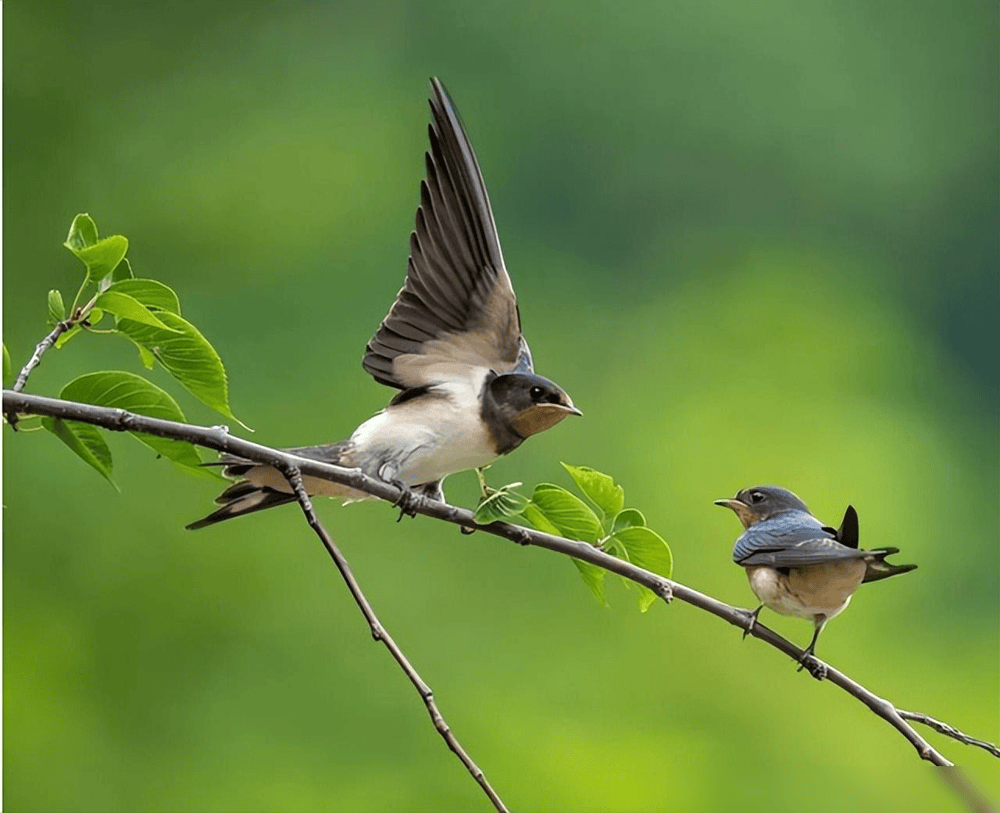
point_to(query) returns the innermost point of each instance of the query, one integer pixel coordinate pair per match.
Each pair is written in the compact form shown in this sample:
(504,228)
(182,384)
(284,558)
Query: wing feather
(457,307)
(795,539)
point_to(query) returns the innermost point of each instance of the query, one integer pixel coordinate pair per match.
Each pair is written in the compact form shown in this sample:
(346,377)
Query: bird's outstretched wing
(457,308)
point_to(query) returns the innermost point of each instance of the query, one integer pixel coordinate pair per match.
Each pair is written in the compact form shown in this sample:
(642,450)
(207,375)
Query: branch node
(814,666)
(124,420)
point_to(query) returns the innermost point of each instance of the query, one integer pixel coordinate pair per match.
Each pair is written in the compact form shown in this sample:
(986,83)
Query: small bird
(799,566)
(451,343)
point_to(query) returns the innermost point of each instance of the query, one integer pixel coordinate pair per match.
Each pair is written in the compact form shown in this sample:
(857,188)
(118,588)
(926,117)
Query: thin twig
(379,633)
(948,731)
(220,440)
(36,359)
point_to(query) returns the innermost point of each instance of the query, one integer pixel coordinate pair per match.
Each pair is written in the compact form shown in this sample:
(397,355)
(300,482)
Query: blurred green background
(757,243)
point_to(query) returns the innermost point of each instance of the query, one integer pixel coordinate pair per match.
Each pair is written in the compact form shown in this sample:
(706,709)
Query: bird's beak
(735,505)
(539,417)
(741,509)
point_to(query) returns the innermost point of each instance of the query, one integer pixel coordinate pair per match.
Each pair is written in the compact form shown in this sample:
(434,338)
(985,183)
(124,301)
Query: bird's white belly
(442,456)
(423,441)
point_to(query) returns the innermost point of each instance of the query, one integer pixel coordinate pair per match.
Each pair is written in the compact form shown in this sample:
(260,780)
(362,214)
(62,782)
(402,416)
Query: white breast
(427,438)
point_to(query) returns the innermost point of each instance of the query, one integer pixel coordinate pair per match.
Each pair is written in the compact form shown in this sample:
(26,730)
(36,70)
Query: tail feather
(245,497)
(242,498)
(233,466)
(879,568)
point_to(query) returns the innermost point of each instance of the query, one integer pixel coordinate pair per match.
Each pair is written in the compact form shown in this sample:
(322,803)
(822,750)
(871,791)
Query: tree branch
(379,633)
(219,439)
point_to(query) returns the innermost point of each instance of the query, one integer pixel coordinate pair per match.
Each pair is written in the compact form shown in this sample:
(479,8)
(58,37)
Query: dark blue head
(753,505)
(530,403)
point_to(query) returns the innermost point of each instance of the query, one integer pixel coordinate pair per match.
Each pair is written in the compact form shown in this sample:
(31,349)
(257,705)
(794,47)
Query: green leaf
(126,307)
(103,257)
(593,577)
(99,256)
(568,513)
(86,441)
(82,233)
(629,518)
(536,519)
(647,598)
(131,392)
(150,293)
(95,316)
(148,359)
(647,549)
(502,503)
(122,272)
(599,488)
(187,356)
(57,310)
(8,367)
(69,334)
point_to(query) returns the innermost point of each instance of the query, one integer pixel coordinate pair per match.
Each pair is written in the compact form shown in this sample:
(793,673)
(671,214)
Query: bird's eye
(536,393)
(756,496)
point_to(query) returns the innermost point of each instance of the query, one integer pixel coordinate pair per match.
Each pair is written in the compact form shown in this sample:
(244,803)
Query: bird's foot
(813,665)
(408,500)
(752,616)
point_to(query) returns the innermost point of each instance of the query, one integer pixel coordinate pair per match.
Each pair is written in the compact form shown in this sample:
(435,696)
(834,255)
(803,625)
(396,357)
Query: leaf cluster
(603,521)
(147,313)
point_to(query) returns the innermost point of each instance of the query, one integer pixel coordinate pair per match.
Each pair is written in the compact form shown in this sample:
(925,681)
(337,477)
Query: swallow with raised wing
(797,565)
(451,343)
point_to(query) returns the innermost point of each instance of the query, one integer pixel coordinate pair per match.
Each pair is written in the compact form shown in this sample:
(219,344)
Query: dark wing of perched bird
(791,540)
(457,308)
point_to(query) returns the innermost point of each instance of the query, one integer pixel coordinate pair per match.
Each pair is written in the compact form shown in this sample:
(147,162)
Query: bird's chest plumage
(426,438)
(806,592)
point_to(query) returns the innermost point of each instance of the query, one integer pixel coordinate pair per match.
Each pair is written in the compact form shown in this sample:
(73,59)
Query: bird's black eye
(536,393)
(756,496)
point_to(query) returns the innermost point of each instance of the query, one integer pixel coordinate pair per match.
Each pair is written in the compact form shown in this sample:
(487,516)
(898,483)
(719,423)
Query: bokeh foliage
(755,242)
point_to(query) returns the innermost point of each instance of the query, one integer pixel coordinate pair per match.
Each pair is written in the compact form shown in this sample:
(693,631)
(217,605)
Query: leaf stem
(76,298)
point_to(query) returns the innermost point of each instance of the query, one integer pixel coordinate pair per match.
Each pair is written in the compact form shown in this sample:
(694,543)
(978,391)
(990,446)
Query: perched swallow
(452,344)
(799,566)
